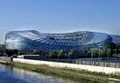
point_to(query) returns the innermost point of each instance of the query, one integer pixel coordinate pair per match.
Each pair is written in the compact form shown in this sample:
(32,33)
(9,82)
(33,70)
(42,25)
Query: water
(13,75)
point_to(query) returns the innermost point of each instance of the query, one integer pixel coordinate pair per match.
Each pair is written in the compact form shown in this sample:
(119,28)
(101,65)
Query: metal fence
(114,64)
(88,61)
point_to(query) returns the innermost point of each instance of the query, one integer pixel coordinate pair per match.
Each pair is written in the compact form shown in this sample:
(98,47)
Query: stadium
(34,41)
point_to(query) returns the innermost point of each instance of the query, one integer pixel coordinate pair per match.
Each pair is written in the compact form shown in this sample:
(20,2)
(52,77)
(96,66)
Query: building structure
(32,41)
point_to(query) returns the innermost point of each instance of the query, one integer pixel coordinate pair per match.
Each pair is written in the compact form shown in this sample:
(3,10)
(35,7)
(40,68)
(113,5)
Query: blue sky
(59,16)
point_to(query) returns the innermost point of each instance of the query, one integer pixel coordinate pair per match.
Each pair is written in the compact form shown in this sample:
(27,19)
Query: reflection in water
(9,75)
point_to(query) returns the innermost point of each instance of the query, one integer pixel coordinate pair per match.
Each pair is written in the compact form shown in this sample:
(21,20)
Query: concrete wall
(106,70)
(6,60)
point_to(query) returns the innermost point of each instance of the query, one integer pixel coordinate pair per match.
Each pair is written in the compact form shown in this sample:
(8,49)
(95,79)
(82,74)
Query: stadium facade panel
(34,40)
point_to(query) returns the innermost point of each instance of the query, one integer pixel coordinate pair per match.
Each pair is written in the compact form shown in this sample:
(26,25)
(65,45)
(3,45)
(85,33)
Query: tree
(100,53)
(70,53)
(11,52)
(86,49)
(94,52)
(60,52)
(108,53)
(51,53)
(112,46)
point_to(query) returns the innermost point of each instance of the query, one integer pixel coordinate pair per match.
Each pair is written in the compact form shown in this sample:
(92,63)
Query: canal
(13,75)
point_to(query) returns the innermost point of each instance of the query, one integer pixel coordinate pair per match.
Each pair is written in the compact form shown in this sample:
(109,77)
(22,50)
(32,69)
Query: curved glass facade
(30,40)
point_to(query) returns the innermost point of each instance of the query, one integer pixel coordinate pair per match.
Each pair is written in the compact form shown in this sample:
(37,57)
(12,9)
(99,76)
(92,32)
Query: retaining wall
(6,60)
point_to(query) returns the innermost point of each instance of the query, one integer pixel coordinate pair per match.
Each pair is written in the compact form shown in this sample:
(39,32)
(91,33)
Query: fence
(95,62)
(85,61)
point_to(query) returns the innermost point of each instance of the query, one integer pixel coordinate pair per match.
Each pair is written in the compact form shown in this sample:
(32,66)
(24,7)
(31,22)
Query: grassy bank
(72,74)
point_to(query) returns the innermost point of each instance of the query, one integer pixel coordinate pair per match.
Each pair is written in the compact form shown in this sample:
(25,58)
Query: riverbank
(68,73)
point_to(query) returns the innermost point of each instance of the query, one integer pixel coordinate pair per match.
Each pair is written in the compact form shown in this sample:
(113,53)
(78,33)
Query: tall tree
(70,53)
(50,54)
(112,46)
(60,52)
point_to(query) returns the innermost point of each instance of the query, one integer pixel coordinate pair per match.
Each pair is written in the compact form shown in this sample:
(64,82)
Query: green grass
(66,73)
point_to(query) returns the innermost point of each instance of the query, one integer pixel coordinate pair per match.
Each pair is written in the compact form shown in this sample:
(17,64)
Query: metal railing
(87,62)
(114,64)
(83,61)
